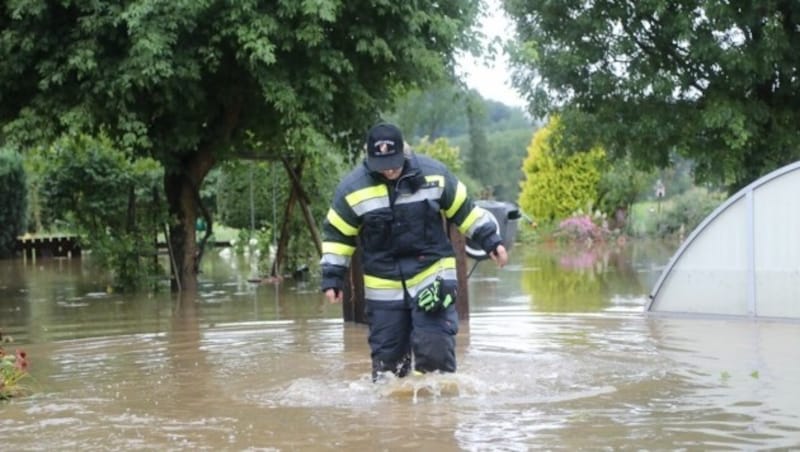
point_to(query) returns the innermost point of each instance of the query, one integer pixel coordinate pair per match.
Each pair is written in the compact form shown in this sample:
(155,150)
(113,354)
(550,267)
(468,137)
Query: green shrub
(113,204)
(687,210)
(238,181)
(35,163)
(450,155)
(13,200)
(441,150)
(620,186)
(556,186)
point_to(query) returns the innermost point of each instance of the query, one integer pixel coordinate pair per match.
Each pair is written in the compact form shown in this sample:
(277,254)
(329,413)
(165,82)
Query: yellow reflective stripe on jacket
(374,282)
(393,290)
(413,289)
(359,196)
(458,201)
(473,216)
(337,248)
(441,265)
(396,293)
(439,179)
(339,223)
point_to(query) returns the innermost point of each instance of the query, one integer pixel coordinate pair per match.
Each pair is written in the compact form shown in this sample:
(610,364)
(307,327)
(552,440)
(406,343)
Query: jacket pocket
(409,229)
(376,230)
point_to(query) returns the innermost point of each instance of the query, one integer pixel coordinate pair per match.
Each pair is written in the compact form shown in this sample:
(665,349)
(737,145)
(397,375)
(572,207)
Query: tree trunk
(183,199)
(283,239)
(298,195)
(305,202)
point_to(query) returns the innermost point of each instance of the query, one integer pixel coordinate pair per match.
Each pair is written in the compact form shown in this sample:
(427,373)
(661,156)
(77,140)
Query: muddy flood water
(558,354)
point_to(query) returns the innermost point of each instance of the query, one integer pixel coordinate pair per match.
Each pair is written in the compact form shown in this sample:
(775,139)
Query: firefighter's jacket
(400,229)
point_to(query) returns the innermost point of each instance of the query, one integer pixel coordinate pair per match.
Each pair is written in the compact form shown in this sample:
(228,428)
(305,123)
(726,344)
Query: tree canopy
(194,82)
(13,200)
(714,81)
(172,76)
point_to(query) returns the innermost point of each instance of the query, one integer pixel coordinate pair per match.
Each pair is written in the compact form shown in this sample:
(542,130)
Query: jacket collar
(410,168)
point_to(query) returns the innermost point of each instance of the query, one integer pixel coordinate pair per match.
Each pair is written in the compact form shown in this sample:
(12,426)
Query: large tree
(195,82)
(714,81)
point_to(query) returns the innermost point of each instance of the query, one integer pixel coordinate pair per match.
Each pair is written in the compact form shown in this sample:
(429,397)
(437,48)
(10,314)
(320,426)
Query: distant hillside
(492,136)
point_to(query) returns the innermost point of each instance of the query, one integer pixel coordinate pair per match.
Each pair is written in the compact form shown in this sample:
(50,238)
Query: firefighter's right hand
(499,256)
(333,295)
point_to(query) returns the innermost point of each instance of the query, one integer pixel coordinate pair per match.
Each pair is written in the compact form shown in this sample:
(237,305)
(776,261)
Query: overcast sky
(492,82)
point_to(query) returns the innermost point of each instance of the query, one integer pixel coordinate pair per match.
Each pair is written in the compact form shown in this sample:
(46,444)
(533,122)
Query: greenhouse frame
(743,260)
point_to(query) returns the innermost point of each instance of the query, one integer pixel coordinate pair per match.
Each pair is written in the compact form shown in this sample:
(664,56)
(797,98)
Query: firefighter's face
(392,174)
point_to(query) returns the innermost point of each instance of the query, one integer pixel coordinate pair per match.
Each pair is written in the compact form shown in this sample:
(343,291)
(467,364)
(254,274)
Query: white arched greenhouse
(743,260)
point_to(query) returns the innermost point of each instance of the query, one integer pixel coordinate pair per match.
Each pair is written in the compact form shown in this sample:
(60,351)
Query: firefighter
(392,206)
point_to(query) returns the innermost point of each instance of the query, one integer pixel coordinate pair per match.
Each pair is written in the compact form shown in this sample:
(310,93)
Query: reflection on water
(556,355)
(585,279)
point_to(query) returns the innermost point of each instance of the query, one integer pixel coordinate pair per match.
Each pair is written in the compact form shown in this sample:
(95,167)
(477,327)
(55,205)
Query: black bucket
(506,216)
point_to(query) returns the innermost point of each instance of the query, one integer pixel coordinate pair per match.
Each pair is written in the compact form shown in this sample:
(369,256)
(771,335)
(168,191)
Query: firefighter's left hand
(334,295)
(499,256)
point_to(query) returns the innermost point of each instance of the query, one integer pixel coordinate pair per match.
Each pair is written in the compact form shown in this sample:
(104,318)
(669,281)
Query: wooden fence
(54,246)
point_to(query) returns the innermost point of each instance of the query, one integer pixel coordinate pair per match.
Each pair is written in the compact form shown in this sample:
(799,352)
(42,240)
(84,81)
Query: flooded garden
(557,353)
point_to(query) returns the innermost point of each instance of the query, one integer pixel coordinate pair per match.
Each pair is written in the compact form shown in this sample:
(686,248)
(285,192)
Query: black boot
(399,369)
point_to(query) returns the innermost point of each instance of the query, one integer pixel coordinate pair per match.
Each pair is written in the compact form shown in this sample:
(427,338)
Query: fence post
(353,302)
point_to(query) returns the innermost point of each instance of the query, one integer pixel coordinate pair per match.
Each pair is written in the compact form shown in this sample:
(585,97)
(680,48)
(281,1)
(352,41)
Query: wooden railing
(34,247)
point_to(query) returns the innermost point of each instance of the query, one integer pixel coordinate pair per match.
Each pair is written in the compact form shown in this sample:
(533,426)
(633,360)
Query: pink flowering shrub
(582,228)
(13,369)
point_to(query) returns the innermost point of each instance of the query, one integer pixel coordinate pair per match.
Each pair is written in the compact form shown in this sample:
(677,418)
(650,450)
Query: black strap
(403,280)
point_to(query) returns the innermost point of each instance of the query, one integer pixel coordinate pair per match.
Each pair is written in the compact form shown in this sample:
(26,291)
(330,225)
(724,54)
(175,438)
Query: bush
(112,203)
(234,184)
(35,163)
(555,186)
(687,210)
(13,200)
(583,228)
(441,150)
(13,370)
(619,187)
(450,155)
